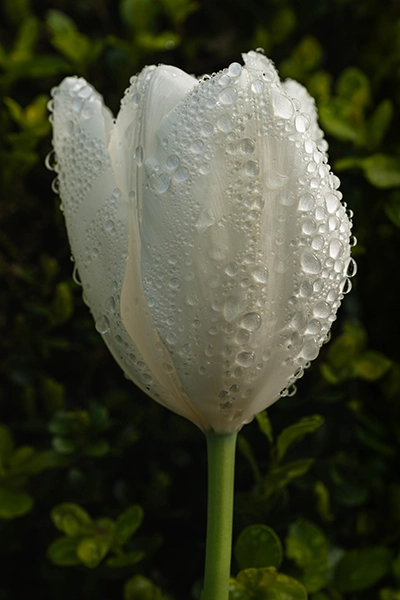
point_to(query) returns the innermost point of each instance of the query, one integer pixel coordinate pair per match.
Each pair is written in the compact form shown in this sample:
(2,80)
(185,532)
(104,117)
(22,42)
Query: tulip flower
(211,243)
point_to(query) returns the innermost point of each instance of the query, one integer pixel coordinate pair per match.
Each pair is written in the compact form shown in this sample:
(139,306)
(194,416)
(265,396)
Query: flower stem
(221,473)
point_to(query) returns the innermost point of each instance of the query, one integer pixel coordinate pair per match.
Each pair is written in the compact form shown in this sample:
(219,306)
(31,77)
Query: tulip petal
(244,242)
(97,219)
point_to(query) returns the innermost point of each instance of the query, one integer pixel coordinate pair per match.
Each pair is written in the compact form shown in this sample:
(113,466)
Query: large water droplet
(205,220)
(245,359)
(310,350)
(235,69)
(247,146)
(260,274)
(351,268)
(102,325)
(322,310)
(228,95)
(332,203)
(172,162)
(335,249)
(251,321)
(162,183)
(310,263)
(282,106)
(306,202)
(181,174)
(232,307)
(225,123)
(139,155)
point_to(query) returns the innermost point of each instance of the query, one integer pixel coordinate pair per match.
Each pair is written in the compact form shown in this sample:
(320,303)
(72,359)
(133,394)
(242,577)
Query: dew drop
(332,203)
(309,227)
(306,289)
(247,146)
(172,162)
(251,321)
(197,147)
(282,106)
(102,325)
(306,202)
(235,69)
(346,286)
(245,359)
(251,168)
(260,274)
(302,123)
(168,368)
(181,174)
(310,263)
(228,95)
(139,155)
(232,307)
(205,220)
(257,86)
(351,268)
(162,183)
(225,123)
(322,310)
(310,350)
(335,249)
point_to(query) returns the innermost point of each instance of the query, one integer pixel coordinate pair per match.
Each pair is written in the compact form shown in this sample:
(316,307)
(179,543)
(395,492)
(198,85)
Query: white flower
(208,232)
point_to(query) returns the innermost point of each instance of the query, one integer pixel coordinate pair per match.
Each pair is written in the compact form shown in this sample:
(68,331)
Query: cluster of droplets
(267,222)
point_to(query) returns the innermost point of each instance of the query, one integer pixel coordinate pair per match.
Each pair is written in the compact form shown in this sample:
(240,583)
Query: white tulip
(208,232)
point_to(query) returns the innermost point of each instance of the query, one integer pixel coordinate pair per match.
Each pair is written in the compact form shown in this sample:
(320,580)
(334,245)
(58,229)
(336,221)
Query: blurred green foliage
(81,449)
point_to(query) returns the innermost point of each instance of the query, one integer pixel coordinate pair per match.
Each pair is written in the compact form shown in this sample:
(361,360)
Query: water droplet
(207,129)
(260,274)
(218,251)
(306,289)
(185,350)
(283,107)
(204,168)
(313,327)
(309,227)
(245,359)
(102,325)
(346,286)
(299,320)
(317,242)
(205,220)
(235,69)
(225,123)
(332,203)
(51,161)
(110,304)
(174,283)
(172,162)
(242,336)
(247,146)
(171,338)
(251,168)
(226,405)
(257,86)
(197,147)
(168,368)
(302,123)
(75,275)
(322,310)
(231,269)
(181,174)
(306,202)
(162,183)
(232,307)
(139,155)
(209,350)
(228,95)
(128,135)
(335,249)
(251,321)
(310,350)
(351,268)
(310,263)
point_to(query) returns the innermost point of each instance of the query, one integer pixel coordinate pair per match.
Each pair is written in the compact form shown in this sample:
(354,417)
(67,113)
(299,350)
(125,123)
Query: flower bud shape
(208,231)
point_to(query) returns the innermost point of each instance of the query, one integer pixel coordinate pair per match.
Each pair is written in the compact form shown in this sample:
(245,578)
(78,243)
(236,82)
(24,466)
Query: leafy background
(102,492)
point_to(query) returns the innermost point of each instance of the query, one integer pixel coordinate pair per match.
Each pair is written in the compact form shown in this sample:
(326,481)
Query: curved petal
(97,218)
(244,242)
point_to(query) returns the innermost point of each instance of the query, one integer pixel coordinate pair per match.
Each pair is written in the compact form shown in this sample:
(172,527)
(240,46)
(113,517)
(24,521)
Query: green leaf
(96,448)
(128,522)
(63,445)
(323,501)
(308,547)
(258,546)
(396,566)
(389,594)
(141,588)
(125,560)
(267,584)
(62,552)
(360,569)
(382,170)
(281,476)
(92,550)
(353,85)
(372,365)
(378,123)
(14,503)
(179,10)
(265,425)
(295,433)
(71,519)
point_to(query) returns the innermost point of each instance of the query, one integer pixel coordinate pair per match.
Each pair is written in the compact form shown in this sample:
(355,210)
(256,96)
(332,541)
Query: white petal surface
(97,217)
(244,242)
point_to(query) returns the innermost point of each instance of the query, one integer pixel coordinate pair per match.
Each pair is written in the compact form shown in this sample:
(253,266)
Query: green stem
(221,473)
